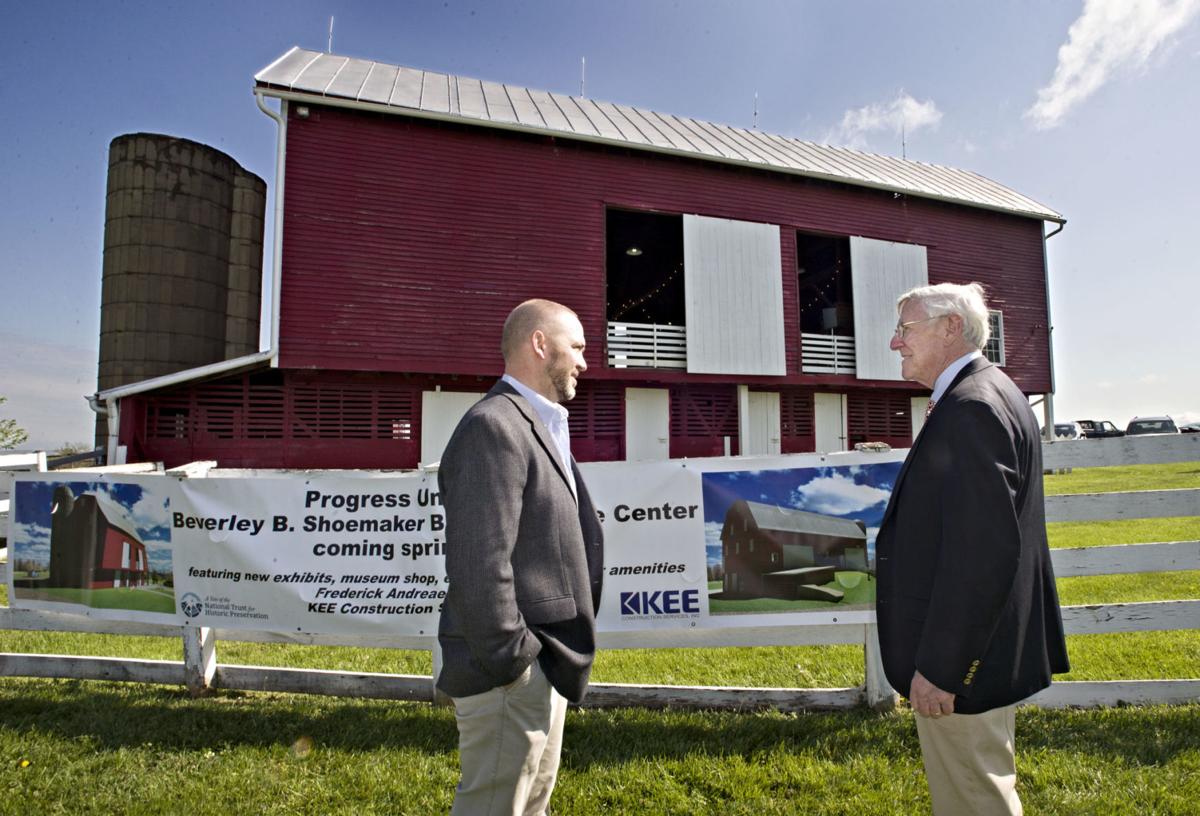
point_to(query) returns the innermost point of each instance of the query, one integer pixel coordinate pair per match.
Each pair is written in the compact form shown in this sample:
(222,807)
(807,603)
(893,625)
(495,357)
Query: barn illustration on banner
(94,543)
(779,552)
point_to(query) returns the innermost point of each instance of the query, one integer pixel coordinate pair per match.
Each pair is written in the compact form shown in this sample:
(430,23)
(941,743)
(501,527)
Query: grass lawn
(103,748)
(1125,477)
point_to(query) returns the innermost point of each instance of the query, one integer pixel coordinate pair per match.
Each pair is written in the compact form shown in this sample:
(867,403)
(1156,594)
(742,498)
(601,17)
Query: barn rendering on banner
(94,543)
(737,289)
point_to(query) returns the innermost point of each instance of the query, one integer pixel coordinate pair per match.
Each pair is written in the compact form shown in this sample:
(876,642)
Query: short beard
(564,390)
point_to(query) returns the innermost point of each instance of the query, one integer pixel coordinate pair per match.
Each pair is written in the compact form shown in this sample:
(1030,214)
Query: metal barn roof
(790,520)
(357,82)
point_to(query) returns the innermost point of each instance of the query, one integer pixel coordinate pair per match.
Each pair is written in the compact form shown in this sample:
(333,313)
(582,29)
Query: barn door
(647,423)
(829,413)
(440,413)
(760,436)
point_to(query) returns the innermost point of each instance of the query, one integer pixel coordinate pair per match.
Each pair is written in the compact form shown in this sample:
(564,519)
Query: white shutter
(881,271)
(733,282)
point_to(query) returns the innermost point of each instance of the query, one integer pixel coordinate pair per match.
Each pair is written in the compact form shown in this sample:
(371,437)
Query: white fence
(827,354)
(647,345)
(200,670)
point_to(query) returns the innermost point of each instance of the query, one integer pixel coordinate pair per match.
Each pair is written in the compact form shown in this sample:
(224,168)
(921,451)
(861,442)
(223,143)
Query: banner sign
(711,543)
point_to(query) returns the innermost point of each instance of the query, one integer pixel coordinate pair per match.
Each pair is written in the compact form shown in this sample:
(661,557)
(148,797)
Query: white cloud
(902,115)
(837,495)
(30,541)
(1108,36)
(150,511)
(712,533)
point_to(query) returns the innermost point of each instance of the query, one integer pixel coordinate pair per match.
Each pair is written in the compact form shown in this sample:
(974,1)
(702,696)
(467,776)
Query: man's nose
(582,364)
(896,343)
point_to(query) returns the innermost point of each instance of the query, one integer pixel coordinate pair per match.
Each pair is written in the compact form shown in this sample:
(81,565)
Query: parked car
(1191,427)
(1098,428)
(1066,430)
(1150,425)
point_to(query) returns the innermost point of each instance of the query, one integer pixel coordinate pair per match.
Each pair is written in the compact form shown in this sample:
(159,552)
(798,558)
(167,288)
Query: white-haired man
(969,622)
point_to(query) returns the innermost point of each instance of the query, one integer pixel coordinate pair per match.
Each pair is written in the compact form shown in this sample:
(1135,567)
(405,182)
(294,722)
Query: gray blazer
(524,559)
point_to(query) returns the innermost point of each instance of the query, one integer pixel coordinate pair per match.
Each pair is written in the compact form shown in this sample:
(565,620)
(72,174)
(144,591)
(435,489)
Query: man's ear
(954,326)
(537,342)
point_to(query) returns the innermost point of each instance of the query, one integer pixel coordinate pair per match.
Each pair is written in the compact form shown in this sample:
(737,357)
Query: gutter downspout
(277,250)
(1048,403)
(111,409)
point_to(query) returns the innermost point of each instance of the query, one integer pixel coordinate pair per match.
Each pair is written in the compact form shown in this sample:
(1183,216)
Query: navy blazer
(524,558)
(966,590)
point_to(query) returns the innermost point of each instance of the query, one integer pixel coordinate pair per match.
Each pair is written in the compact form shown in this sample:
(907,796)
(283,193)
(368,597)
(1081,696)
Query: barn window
(823,274)
(689,291)
(848,288)
(994,350)
(644,258)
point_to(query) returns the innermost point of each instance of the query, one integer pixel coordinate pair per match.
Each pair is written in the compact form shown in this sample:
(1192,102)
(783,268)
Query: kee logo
(661,602)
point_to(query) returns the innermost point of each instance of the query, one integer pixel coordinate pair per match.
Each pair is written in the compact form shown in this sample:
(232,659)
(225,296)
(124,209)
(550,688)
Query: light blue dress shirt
(554,417)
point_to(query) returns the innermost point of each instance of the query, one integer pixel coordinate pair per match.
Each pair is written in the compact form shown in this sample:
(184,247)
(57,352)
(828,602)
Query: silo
(182,276)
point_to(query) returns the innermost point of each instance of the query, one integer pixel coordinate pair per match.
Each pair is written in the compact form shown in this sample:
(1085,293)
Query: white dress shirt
(946,377)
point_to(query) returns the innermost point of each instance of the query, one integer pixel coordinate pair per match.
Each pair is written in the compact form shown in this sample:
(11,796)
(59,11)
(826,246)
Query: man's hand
(927,699)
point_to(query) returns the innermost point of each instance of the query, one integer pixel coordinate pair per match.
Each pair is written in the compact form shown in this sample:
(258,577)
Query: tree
(11,434)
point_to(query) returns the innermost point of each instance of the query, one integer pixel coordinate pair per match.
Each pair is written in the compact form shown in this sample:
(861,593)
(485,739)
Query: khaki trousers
(970,763)
(509,742)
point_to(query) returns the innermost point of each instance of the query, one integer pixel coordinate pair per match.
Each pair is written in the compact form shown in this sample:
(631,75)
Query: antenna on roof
(756,110)
(582,76)
(903,139)
(329,47)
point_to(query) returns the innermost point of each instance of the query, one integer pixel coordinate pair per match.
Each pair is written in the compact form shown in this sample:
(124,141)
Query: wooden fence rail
(200,670)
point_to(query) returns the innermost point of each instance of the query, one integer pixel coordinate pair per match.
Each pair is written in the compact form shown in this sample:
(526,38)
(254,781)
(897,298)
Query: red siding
(702,417)
(406,242)
(796,422)
(282,420)
(879,416)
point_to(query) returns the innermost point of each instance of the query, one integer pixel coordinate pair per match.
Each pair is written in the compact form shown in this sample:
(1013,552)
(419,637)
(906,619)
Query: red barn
(737,289)
(94,543)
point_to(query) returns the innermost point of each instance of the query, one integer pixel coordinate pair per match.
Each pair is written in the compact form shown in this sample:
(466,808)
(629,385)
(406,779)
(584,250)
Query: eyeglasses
(902,328)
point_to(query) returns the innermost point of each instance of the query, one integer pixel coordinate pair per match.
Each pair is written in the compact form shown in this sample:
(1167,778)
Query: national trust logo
(191,605)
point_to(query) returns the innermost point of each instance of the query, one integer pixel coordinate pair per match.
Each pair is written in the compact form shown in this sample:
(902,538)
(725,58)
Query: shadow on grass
(113,716)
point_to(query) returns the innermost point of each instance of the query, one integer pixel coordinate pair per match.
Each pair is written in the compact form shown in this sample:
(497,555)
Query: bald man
(524,557)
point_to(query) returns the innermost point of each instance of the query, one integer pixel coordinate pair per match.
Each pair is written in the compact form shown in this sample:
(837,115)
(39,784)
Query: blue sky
(1091,108)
